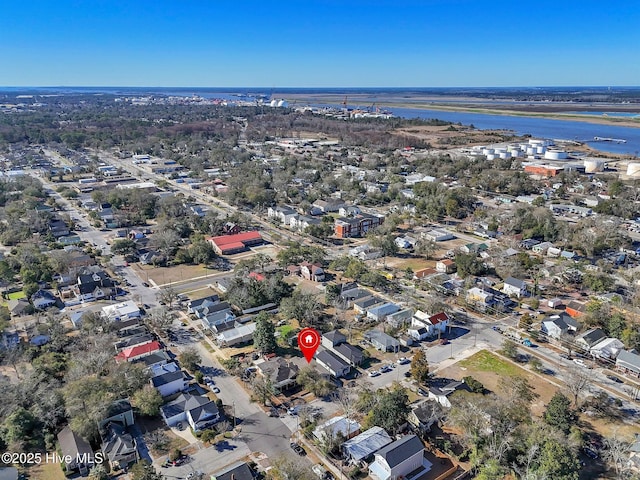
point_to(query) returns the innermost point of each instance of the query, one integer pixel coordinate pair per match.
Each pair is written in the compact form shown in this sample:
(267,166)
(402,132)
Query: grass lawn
(285,330)
(47,471)
(16,295)
(485,361)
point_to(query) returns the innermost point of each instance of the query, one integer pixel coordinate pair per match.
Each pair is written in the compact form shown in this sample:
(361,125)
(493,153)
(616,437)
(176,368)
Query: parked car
(145,284)
(403,360)
(374,373)
(319,470)
(590,453)
(615,379)
(297,448)
(579,361)
(422,392)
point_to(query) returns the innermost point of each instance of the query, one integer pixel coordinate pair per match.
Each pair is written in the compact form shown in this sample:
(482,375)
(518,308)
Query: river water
(539,128)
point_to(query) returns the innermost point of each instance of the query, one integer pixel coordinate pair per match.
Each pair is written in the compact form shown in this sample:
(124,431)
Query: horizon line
(317,87)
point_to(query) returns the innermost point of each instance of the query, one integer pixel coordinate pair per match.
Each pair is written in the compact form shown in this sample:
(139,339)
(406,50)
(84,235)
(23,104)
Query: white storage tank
(633,169)
(593,166)
(541,149)
(504,155)
(274,103)
(531,151)
(487,151)
(515,153)
(555,155)
(491,156)
(282,103)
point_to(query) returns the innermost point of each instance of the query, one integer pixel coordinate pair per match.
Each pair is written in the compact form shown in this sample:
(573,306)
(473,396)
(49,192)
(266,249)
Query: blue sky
(313,43)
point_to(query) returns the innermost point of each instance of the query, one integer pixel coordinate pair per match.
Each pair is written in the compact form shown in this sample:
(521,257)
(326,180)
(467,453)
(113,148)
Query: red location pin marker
(308,341)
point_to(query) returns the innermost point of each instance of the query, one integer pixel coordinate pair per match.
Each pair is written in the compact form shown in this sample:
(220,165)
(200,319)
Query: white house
(121,311)
(607,348)
(346,427)
(198,411)
(434,324)
(335,365)
(514,286)
(400,458)
(169,383)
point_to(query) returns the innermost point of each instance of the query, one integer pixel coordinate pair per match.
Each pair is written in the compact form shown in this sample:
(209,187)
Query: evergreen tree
(264,338)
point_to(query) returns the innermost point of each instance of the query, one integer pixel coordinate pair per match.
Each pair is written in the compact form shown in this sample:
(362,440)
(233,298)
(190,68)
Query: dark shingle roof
(397,452)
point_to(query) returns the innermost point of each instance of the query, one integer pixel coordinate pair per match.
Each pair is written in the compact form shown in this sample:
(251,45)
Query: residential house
(76,448)
(156,359)
(589,338)
(435,325)
(446,266)
(133,353)
(349,211)
(554,327)
(332,339)
(235,471)
(441,394)
(198,411)
(42,299)
(328,206)
(628,361)
(515,287)
(400,318)
(423,272)
(399,459)
(479,297)
(120,412)
(195,305)
(312,272)
(236,335)
(381,341)
(118,445)
(231,228)
(121,311)
(361,305)
(542,248)
(361,447)
(423,415)
(380,312)
(609,348)
(18,307)
(302,222)
(331,362)
(283,214)
(346,227)
(93,286)
(169,382)
(282,373)
(337,426)
(133,341)
(575,308)
(417,333)
(475,248)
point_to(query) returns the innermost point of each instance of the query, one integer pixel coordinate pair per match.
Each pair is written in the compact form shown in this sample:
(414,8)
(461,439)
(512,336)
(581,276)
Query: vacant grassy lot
(172,275)
(485,361)
(47,471)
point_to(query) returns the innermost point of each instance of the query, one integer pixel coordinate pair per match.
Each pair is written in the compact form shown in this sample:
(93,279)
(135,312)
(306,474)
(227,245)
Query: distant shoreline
(546,110)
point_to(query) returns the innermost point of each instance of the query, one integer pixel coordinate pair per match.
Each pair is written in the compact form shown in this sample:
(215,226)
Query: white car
(579,361)
(403,360)
(374,373)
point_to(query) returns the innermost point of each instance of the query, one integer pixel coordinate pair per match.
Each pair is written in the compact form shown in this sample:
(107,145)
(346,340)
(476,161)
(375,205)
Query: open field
(170,275)
(488,368)
(47,471)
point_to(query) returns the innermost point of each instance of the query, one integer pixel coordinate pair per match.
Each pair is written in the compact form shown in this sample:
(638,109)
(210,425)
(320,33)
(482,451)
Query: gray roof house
(361,305)
(628,361)
(515,286)
(77,448)
(382,341)
(366,444)
(119,446)
(335,365)
(348,352)
(400,458)
(235,471)
(380,312)
(554,327)
(333,338)
(282,373)
(169,383)
(441,394)
(200,412)
(399,318)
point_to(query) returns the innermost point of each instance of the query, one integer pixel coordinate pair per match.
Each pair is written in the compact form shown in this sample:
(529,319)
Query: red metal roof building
(229,244)
(139,351)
